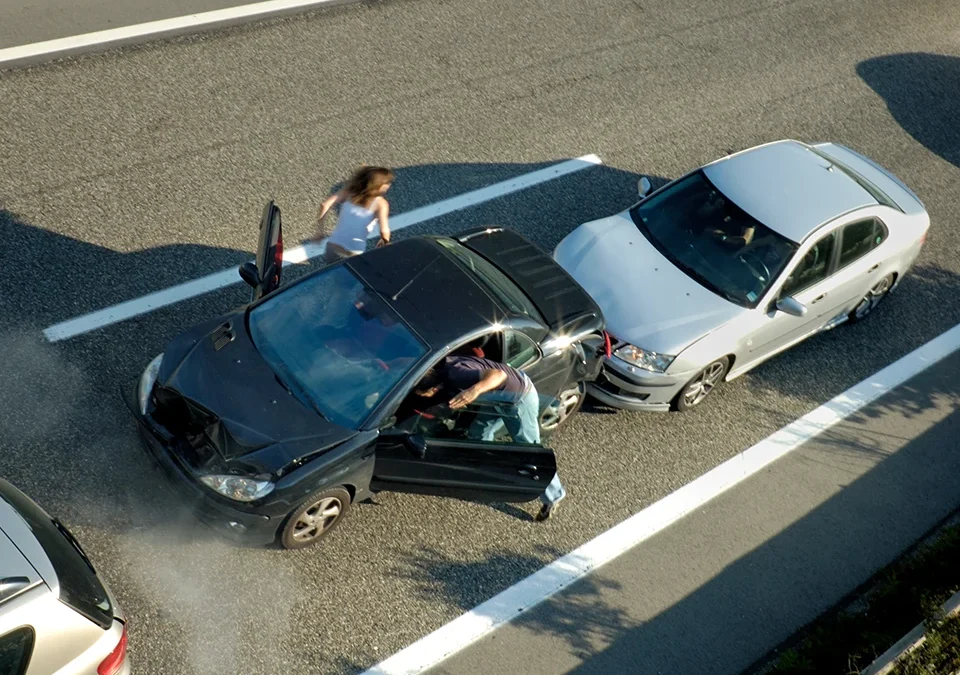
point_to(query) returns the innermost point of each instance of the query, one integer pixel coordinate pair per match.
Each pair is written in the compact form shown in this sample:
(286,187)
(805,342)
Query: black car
(274,418)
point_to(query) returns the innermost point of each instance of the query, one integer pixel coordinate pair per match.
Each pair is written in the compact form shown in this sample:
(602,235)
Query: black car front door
(437,455)
(264,275)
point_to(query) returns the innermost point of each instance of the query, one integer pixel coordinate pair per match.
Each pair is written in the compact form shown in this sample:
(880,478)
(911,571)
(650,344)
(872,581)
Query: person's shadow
(922,92)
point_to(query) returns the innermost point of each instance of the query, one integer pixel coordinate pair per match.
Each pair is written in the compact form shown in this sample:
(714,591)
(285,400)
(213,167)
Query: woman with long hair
(362,206)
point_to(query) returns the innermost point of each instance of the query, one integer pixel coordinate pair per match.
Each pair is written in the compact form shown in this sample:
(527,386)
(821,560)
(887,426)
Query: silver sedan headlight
(147,380)
(238,488)
(644,358)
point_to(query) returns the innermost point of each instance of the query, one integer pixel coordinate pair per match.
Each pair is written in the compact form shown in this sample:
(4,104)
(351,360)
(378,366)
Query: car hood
(216,390)
(646,300)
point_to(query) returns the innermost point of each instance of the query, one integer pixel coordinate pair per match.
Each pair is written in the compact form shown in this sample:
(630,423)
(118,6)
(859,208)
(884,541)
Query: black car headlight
(147,380)
(238,488)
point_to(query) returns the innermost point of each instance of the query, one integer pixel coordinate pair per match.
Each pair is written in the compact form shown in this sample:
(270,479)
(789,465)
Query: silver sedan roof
(788,187)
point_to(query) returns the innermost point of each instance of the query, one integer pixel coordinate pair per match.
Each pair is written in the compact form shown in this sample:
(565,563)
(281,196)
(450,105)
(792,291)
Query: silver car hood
(645,299)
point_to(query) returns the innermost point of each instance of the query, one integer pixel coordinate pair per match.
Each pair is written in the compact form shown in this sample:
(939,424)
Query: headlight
(238,488)
(147,381)
(644,358)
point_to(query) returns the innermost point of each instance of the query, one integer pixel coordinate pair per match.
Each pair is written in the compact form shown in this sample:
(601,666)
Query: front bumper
(623,386)
(236,524)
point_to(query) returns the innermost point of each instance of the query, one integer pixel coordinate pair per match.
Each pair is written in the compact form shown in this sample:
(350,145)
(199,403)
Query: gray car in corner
(57,617)
(736,261)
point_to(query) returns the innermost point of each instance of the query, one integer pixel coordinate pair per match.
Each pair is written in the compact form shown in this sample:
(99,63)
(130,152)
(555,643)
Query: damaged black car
(273,419)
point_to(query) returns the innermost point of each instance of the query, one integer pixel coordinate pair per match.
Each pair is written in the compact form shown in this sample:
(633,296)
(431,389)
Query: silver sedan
(731,264)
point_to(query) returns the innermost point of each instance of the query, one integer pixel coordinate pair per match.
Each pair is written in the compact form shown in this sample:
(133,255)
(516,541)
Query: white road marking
(76,44)
(503,608)
(191,289)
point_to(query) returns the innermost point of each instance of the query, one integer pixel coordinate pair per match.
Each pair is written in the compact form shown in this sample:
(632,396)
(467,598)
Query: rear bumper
(233,523)
(634,389)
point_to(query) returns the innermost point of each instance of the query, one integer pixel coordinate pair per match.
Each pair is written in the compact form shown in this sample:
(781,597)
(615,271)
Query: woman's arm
(383,217)
(325,207)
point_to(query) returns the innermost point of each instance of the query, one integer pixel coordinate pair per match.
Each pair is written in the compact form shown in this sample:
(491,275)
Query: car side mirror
(791,306)
(250,273)
(644,186)
(417,445)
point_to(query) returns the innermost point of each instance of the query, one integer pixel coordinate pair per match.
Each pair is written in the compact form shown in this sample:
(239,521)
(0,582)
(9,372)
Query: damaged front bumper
(228,520)
(629,388)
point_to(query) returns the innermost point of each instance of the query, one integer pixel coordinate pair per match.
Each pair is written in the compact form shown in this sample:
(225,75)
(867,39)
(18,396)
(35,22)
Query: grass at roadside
(908,591)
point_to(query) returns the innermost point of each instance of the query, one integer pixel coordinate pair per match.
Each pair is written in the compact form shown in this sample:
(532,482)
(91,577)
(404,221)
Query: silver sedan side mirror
(644,187)
(791,307)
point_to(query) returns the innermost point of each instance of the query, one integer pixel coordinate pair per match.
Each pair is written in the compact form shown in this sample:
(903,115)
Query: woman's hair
(366,182)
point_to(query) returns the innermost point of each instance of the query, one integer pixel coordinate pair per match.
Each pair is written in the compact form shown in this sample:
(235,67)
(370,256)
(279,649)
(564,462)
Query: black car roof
(438,299)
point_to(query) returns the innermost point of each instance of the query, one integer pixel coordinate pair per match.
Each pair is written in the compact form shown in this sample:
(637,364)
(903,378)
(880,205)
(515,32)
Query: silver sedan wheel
(701,386)
(317,519)
(569,401)
(873,298)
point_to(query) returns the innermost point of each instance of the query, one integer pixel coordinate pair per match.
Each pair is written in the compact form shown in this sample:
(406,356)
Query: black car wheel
(702,385)
(873,298)
(315,517)
(568,403)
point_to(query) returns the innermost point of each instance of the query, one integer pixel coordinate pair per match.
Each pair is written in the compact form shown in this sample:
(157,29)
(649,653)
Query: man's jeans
(521,419)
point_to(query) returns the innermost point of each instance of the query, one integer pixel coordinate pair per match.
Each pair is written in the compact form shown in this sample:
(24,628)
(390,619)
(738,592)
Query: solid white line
(501,609)
(153,29)
(148,303)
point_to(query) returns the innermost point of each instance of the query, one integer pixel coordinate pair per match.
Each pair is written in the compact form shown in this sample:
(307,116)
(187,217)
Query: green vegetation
(908,591)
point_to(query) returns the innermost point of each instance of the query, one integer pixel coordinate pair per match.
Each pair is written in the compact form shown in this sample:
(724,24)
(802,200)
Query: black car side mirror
(417,445)
(250,273)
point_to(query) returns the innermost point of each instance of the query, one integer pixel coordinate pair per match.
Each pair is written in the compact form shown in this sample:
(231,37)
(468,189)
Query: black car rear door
(264,275)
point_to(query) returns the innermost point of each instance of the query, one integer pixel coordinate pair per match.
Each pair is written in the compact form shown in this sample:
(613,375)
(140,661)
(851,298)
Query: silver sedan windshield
(713,240)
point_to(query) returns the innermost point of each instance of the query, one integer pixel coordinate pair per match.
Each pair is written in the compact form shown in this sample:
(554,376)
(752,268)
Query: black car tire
(571,403)
(711,376)
(315,517)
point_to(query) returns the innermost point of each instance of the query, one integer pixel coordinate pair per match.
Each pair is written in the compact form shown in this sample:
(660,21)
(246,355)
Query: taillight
(607,347)
(114,661)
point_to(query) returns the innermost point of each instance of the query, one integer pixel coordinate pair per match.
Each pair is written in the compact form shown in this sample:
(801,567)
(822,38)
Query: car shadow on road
(65,432)
(674,605)
(922,92)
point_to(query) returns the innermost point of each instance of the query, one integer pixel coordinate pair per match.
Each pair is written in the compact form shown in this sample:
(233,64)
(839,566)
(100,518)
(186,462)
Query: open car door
(435,455)
(264,275)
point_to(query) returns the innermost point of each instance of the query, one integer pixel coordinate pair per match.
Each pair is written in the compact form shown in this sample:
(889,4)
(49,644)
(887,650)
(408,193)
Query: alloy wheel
(317,519)
(872,298)
(703,384)
(568,402)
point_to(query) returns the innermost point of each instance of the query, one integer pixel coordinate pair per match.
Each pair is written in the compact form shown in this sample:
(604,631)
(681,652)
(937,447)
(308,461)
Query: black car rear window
(80,589)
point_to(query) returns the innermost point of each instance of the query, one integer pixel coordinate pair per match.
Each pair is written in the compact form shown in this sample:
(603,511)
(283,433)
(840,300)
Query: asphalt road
(717,591)
(126,173)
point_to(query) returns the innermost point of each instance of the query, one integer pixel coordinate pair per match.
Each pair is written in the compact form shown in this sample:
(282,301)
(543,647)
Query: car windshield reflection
(335,342)
(713,240)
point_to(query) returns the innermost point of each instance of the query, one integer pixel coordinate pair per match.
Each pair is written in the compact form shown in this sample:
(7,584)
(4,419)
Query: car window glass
(336,343)
(813,268)
(519,349)
(80,588)
(859,239)
(496,281)
(711,239)
(15,650)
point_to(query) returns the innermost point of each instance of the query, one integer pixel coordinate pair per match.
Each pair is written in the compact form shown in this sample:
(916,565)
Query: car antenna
(414,278)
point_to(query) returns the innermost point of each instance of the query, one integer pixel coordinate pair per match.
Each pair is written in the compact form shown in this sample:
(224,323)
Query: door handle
(873,268)
(528,470)
(818,299)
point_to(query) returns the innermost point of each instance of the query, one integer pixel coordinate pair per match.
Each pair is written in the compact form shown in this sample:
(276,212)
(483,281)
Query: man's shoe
(546,512)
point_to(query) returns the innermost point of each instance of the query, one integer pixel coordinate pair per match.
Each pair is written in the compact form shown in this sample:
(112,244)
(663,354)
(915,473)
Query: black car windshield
(714,241)
(336,343)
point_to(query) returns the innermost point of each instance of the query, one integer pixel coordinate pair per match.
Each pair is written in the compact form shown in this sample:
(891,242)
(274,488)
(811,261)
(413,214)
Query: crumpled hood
(234,397)
(645,299)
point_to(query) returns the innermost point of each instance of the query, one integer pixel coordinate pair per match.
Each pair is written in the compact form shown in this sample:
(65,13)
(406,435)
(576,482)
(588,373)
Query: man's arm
(490,380)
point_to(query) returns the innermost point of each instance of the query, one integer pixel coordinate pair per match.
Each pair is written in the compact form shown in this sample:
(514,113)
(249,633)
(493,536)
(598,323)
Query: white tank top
(353,225)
